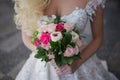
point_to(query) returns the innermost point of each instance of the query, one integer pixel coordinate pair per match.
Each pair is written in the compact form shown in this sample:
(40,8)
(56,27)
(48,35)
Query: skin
(96,27)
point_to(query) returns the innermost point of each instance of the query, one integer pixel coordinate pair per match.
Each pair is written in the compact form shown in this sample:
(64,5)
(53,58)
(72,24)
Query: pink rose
(69,52)
(46,46)
(51,27)
(45,38)
(68,27)
(79,43)
(51,56)
(37,43)
(76,50)
(59,27)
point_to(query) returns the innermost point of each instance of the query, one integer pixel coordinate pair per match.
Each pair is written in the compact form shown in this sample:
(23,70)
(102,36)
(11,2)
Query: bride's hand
(66,69)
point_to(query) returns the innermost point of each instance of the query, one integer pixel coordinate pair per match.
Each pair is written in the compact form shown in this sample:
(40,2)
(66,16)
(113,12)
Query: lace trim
(92,6)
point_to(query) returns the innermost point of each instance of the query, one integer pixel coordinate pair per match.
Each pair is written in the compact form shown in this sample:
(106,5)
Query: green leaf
(67,60)
(70,61)
(35,34)
(58,60)
(53,44)
(33,40)
(41,53)
(73,44)
(39,56)
(63,32)
(60,46)
(57,20)
(55,47)
(76,57)
(67,39)
(46,59)
(64,61)
(41,50)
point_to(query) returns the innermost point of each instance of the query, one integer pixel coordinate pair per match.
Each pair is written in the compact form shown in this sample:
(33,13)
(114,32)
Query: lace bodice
(80,16)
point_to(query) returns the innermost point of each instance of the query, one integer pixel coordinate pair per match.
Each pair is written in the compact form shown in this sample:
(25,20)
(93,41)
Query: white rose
(41,23)
(45,18)
(56,36)
(53,17)
(44,22)
(75,36)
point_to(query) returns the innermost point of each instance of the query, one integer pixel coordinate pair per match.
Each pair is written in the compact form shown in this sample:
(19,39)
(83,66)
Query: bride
(88,15)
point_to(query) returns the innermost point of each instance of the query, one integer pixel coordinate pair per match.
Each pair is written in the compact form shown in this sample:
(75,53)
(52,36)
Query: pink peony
(46,46)
(51,56)
(45,38)
(51,27)
(37,43)
(59,27)
(69,52)
(68,27)
(79,43)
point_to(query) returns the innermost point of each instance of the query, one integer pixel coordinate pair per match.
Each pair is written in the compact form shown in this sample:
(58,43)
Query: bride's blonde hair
(28,12)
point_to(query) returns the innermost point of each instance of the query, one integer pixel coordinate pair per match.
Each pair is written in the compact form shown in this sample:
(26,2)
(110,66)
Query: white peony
(56,36)
(75,36)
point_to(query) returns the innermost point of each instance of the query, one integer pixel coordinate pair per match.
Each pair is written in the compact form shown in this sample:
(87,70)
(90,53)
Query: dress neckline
(77,8)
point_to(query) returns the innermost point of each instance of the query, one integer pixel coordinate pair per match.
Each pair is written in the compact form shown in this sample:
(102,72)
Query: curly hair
(27,14)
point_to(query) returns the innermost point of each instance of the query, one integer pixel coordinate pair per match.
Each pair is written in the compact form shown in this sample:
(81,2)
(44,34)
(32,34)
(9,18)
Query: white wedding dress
(92,69)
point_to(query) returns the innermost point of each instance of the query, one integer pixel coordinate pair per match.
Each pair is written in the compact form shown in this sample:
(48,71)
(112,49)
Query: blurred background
(13,53)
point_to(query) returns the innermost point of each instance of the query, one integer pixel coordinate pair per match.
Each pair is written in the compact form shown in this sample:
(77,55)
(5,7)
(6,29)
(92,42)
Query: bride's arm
(27,41)
(93,46)
(97,33)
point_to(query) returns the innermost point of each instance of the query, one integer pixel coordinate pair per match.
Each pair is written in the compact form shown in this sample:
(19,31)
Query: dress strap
(92,6)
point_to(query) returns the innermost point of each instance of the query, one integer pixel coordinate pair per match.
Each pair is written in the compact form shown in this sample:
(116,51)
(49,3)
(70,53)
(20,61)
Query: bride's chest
(75,13)
(78,17)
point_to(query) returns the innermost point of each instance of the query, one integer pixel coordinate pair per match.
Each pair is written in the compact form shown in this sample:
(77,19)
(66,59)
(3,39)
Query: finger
(66,70)
(62,70)
(58,72)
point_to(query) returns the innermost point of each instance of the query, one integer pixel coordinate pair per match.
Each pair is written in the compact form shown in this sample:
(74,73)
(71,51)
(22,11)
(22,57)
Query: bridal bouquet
(57,40)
